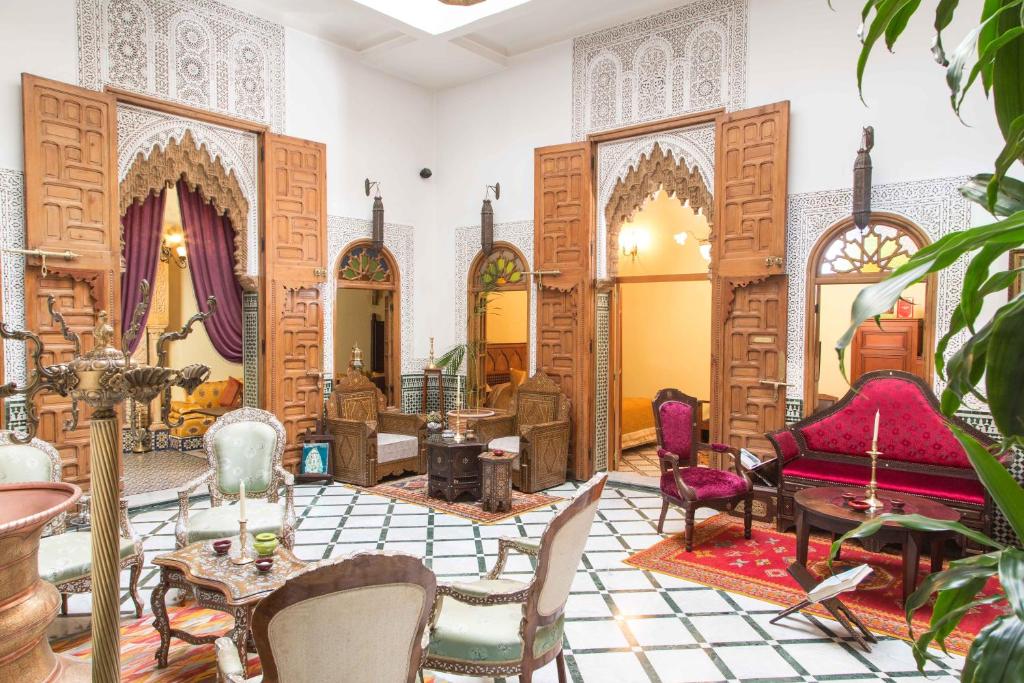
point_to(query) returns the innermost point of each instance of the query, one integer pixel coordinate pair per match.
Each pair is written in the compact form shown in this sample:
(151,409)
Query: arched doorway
(367,315)
(497,326)
(844,261)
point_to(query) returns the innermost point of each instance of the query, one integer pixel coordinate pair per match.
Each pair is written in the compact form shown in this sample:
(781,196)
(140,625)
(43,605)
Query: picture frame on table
(315,463)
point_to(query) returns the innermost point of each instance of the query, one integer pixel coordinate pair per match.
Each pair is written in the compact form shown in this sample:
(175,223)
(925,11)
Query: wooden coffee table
(217,584)
(453,468)
(824,508)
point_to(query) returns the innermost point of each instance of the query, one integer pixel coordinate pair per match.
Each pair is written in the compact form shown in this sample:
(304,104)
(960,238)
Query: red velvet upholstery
(785,444)
(706,482)
(910,429)
(948,488)
(677,428)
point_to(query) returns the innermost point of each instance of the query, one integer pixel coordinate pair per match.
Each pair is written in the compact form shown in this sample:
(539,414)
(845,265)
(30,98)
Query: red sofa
(920,454)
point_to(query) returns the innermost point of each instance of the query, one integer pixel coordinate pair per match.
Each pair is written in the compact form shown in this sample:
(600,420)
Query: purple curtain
(210,240)
(142,225)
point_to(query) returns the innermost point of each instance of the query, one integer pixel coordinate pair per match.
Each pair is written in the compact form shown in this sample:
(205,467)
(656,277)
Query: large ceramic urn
(27,603)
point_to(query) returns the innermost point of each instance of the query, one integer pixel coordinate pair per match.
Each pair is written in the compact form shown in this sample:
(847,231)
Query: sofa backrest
(911,428)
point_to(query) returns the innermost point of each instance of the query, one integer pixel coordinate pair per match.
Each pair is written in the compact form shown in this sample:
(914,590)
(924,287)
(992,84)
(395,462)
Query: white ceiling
(460,55)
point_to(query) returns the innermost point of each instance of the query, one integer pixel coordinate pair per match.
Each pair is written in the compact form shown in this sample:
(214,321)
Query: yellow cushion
(516,376)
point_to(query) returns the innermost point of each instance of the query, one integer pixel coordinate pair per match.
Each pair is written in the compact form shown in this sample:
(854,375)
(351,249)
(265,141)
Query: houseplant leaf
(997,653)
(1011,575)
(1004,489)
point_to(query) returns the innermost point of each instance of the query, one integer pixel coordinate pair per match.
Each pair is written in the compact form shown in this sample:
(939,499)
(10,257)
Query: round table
(824,508)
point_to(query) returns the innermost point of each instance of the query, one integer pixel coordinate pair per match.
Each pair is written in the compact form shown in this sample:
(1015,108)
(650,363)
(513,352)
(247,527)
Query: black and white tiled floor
(623,624)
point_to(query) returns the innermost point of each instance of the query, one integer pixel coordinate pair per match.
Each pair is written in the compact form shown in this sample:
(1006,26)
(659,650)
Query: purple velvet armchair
(691,486)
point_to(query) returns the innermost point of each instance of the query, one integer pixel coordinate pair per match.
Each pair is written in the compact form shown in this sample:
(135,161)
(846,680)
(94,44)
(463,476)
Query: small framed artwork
(315,463)
(1016,261)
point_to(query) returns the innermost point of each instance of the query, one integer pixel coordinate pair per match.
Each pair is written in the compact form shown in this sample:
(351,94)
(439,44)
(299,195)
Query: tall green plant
(990,363)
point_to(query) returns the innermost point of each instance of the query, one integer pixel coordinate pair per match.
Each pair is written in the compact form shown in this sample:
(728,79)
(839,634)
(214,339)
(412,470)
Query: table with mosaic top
(217,584)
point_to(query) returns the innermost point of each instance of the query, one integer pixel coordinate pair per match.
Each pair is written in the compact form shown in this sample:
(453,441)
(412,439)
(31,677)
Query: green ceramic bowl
(265,544)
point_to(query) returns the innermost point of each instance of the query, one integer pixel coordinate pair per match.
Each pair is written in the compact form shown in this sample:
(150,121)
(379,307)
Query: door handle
(775,384)
(770,261)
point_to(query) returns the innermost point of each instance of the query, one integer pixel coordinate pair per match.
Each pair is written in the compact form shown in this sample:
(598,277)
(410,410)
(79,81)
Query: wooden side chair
(65,558)
(246,444)
(370,440)
(537,431)
(688,485)
(500,627)
(375,605)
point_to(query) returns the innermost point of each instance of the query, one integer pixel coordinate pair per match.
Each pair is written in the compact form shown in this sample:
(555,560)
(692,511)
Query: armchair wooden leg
(63,604)
(661,520)
(133,587)
(748,516)
(689,528)
(560,664)
(526,676)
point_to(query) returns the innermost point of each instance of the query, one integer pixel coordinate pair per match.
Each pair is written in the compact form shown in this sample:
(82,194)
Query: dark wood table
(453,468)
(824,508)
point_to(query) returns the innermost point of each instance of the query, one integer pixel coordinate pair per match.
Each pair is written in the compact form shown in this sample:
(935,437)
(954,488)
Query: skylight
(436,17)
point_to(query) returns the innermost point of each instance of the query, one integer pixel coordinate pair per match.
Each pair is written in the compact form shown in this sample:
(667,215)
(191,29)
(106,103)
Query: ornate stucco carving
(654,170)
(184,159)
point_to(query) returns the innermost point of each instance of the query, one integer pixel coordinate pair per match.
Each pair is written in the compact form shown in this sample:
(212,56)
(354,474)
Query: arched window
(367,315)
(842,262)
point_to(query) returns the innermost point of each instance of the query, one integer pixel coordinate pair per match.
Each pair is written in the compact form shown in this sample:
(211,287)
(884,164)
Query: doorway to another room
(663,310)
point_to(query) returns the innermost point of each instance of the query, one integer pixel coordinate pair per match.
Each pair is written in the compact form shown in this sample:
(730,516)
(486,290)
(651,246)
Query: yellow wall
(507,317)
(666,338)
(353,308)
(835,303)
(656,225)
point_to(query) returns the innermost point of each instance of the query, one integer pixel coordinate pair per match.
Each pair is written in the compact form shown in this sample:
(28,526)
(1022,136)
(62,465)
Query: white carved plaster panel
(197,52)
(341,232)
(12,225)
(140,129)
(686,59)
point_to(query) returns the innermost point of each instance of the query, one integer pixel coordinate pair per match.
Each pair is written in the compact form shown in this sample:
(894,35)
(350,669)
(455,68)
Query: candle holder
(243,556)
(872,499)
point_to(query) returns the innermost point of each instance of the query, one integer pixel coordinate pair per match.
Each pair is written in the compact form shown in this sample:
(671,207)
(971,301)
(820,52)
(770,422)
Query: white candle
(874,437)
(242,501)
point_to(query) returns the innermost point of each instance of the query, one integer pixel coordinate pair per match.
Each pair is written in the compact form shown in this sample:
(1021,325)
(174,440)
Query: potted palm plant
(990,364)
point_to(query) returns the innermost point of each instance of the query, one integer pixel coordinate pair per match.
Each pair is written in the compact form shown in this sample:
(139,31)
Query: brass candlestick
(103,378)
(243,556)
(872,499)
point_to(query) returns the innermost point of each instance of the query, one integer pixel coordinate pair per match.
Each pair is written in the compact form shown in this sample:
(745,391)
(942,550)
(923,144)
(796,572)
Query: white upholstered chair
(500,627)
(245,444)
(361,619)
(65,558)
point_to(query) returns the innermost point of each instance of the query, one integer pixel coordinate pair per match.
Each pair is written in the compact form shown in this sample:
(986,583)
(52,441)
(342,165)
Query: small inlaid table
(496,476)
(216,584)
(453,468)
(825,508)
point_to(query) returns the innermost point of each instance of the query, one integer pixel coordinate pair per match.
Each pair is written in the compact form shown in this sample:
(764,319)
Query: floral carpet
(414,490)
(723,559)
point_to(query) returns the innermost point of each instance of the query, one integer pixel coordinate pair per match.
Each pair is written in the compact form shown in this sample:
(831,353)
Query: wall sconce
(703,245)
(172,249)
(487,218)
(631,240)
(378,212)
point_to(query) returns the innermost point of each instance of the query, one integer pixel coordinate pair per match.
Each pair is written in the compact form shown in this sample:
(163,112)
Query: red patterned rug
(723,559)
(414,490)
(185,663)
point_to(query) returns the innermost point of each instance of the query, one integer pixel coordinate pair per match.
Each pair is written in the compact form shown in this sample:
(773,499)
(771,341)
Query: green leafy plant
(990,364)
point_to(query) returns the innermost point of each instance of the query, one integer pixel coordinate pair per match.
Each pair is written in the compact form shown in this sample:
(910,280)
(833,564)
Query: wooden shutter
(71,204)
(749,315)
(564,242)
(294,261)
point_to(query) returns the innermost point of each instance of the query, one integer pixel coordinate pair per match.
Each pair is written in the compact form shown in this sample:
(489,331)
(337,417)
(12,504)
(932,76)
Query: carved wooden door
(71,205)
(749,312)
(294,263)
(564,242)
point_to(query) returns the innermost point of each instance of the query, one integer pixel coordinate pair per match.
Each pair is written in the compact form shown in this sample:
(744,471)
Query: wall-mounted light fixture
(631,241)
(703,243)
(172,248)
(487,218)
(378,212)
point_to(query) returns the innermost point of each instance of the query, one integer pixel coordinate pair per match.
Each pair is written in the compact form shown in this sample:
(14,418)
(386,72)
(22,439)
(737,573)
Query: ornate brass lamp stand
(103,378)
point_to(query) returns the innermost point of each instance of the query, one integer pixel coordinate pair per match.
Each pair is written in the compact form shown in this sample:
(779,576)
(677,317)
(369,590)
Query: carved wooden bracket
(732,284)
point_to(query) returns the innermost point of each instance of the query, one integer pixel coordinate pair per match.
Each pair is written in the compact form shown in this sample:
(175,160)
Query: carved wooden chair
(537,431)
(246,444)
(691,486)
(65,558)
(372,441)
(501,627)
(375,604)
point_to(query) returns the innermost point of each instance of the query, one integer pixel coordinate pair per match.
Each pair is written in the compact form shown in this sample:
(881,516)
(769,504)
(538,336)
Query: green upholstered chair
(65,558)
(499,627)
(245,444)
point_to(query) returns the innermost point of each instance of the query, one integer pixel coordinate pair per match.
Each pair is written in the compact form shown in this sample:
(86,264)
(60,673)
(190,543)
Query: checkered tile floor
(641,460)
(623,624)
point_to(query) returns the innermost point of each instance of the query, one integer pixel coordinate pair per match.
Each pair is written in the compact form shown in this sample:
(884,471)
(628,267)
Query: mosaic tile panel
(201,53)
(251,349)
(15,416)
(691,58)
(412,393)
(602,323)
(794,410)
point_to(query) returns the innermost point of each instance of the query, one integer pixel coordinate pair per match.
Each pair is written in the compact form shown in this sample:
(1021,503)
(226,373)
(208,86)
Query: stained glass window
(365,264)
(878,249)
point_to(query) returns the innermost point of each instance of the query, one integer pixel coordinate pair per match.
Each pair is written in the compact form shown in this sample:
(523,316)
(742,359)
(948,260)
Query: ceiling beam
(480,50)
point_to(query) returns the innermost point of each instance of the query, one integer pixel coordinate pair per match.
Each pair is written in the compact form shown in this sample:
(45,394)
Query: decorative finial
(356,361)
(103,332)
(431,362)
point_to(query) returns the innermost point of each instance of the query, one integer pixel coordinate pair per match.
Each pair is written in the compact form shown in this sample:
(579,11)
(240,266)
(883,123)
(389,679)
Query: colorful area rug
(185,663)
(414,490)
(723,559)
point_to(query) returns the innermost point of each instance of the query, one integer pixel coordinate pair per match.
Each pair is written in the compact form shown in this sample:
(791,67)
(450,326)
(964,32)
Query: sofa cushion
(391,447)
(911,430)
(932,485)
(222,521)
(231,395)
(707,482)
(67,556)
(676,420)
(785,444)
